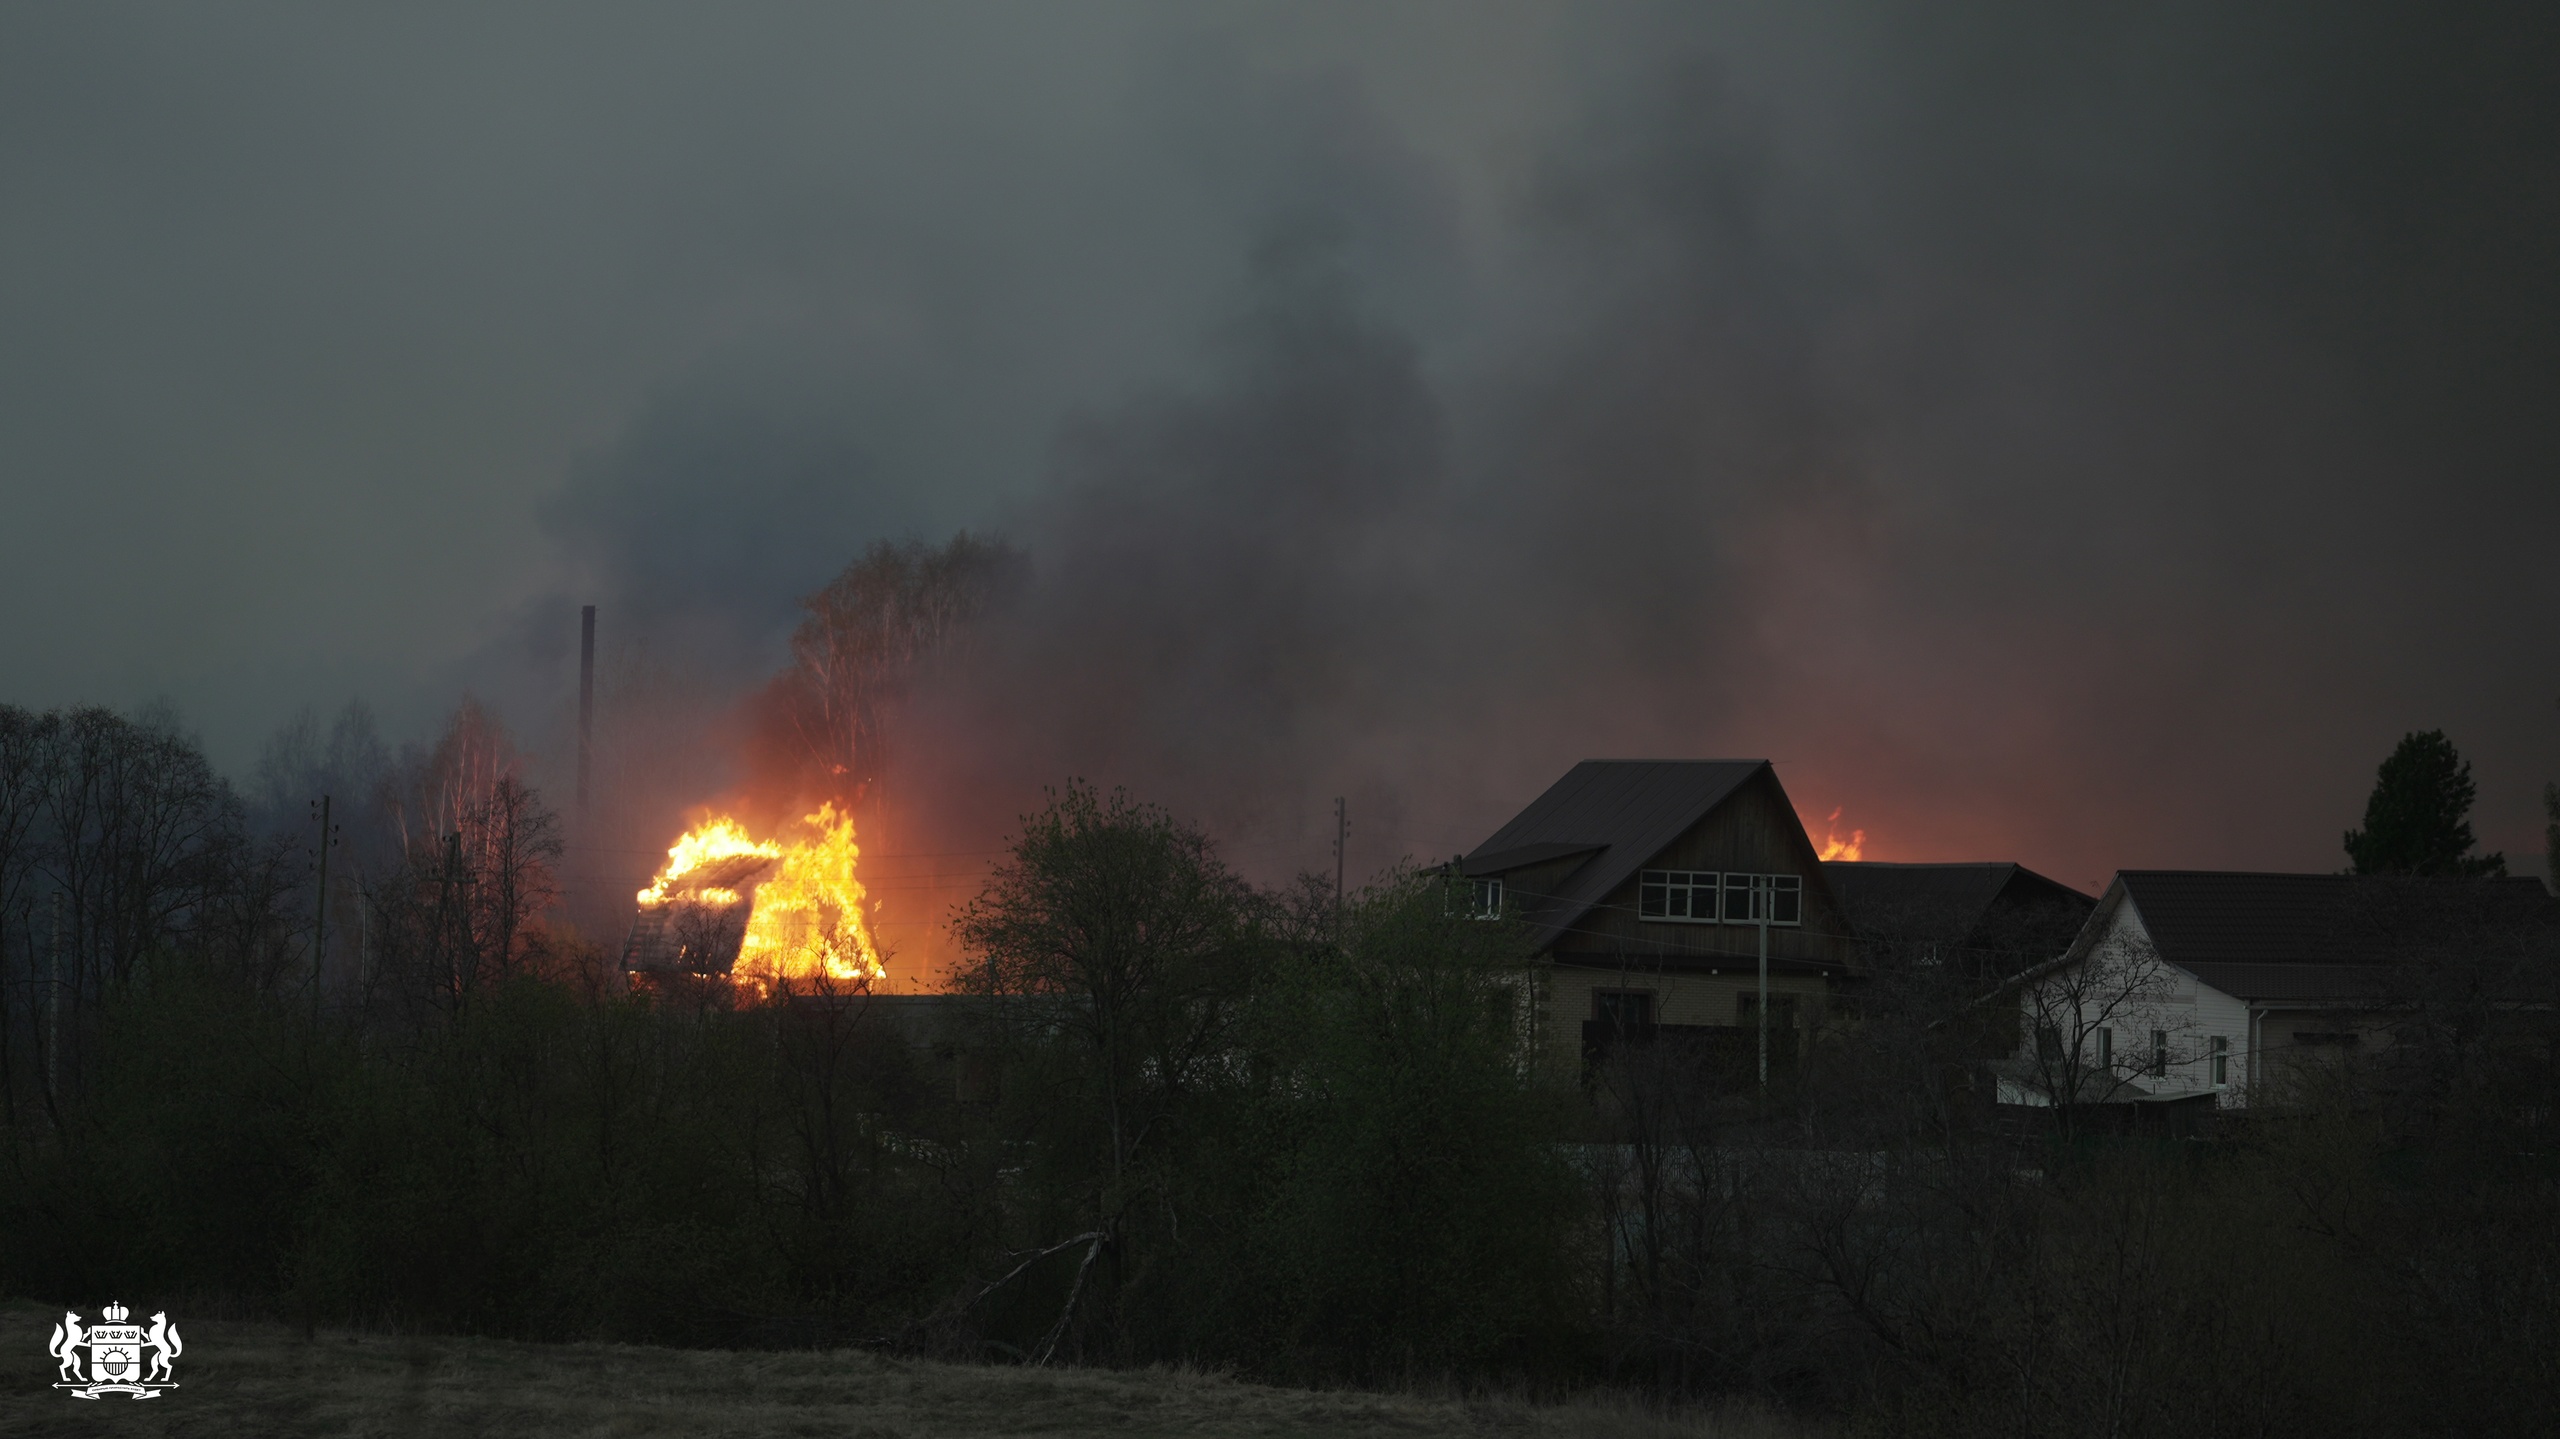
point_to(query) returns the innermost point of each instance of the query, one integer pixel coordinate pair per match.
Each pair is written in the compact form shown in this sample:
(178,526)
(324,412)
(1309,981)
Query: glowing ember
(805,924)
(1834,847)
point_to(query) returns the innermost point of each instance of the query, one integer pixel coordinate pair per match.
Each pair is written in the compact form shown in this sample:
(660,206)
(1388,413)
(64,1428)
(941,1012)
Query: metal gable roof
(1942,902)
(2306,937)
(1484,862)
(1627,810)
(1991,916)
(2236,918)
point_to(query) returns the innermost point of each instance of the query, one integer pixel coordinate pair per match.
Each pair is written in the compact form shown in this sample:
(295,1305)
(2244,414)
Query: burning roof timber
(770,914)
(698,928)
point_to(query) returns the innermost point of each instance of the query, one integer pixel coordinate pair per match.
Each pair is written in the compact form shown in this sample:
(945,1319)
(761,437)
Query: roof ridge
(1627,809)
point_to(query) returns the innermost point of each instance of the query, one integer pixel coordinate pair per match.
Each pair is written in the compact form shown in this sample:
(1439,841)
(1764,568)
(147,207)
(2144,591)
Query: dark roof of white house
(2315,936)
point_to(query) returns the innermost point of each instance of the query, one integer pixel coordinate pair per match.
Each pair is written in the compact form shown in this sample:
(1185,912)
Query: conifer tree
(2418,821)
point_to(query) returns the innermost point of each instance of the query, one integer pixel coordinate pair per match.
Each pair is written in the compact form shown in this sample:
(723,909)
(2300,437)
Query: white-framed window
(2221,1052)
(1704,896)
(2102,1046)
(1485,899)
(2159,1054)
(1684,895)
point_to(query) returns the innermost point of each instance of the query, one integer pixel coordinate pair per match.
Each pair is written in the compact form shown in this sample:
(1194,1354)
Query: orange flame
(707,843)
(1834,847)
(808,922)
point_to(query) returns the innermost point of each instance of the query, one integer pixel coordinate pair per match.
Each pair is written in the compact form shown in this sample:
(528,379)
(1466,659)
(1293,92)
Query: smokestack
(586,699)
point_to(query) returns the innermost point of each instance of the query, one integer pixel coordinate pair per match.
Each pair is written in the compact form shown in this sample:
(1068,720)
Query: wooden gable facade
(1637,877)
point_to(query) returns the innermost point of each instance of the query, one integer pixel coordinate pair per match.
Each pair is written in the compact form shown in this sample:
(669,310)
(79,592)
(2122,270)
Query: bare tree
(517,840)
(136,815)
(21,802)
(463,908)
(2089,1022)
(115,840)
(865,637)
(435,793)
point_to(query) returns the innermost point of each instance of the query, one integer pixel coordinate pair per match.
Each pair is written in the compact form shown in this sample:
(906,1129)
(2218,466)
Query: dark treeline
(1176,1117)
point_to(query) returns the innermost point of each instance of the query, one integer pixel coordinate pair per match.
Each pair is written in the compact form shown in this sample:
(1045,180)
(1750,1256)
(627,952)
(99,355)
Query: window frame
(1645,999)
(1785,891)
(1683,884)
(2218,1052)
(1484,897)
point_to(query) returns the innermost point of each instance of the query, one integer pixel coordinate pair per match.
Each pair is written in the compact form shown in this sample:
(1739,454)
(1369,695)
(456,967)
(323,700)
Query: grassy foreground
(255,1378)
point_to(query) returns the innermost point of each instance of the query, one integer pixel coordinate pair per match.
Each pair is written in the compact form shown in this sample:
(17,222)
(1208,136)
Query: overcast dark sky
(2085,439)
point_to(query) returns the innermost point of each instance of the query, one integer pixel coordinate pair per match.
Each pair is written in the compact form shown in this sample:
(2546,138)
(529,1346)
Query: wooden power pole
(1764,894)
(586,701)
(1341,848)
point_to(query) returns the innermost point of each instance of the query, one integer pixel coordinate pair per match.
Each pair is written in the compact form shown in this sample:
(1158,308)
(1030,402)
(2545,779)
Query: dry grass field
(262,1379)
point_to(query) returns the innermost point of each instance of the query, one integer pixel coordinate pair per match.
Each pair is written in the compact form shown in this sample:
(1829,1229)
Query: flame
(716,839)
(1834,847)
(808,918)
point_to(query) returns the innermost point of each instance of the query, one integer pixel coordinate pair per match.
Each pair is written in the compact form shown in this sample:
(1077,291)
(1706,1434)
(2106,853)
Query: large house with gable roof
(1644,884)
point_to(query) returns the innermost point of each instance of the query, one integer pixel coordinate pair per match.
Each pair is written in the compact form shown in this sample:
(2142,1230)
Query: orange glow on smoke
(808,924)
(1834,847)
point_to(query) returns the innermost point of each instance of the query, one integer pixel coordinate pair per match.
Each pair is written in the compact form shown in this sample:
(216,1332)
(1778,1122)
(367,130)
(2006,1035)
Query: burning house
(786,912)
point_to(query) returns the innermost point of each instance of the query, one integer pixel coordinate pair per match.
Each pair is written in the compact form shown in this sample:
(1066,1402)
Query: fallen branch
(1049,1345)
(1092,1236)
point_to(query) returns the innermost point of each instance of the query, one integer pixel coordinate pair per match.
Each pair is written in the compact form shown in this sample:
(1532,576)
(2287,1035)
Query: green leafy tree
(1119,945)
(2419,819)
(1412,1212)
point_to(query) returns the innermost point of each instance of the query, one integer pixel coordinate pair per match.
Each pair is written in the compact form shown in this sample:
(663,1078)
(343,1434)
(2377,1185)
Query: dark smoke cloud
(704,526)
(2089,438)
(2090,442)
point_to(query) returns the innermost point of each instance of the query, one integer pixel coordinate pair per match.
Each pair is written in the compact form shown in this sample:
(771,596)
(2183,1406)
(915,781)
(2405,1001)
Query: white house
(2184,983)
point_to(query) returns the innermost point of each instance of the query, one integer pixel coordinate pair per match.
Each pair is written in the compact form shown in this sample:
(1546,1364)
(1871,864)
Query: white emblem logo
(116,1352)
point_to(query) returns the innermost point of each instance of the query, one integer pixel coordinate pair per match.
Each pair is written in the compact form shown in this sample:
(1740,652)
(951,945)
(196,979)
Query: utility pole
(444,910)
(320,921)
(586,701)
(454,917)
(1341,848)
(364,947)
(1763,896)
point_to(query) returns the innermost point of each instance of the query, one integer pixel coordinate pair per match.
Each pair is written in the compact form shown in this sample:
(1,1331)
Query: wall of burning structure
(767,915)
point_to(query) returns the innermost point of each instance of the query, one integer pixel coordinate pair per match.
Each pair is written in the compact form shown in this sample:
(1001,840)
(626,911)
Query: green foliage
(1116,924)
(1414,1210)
(2418,820)
(547,1166)
(1299,1143)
